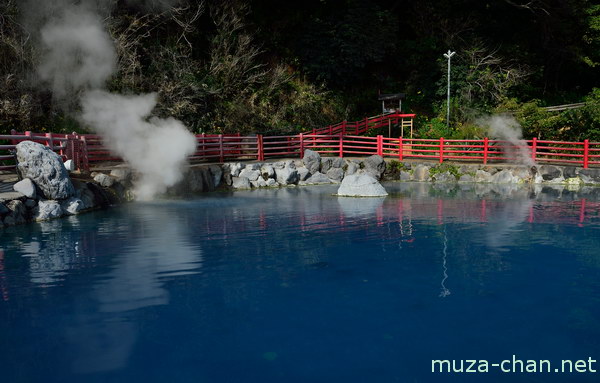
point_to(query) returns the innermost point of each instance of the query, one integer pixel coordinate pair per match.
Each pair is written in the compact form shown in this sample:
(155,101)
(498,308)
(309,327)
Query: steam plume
(506,128)
(78,58)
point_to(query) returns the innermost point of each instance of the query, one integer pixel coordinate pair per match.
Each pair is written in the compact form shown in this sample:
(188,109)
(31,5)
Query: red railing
(344,140)
(63,145)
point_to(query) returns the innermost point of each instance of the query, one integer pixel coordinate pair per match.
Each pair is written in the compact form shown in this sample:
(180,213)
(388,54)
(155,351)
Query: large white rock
(72,206)
(47,210)
(26,187)
(45,169)
(241,183)
(361,185)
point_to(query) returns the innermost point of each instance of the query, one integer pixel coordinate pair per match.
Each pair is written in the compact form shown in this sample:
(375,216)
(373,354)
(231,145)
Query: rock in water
(47,210)
(361,185)
(45,169)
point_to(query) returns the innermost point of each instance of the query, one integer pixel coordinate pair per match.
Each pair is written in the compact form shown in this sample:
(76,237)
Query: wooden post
(533,148)
(301,145)
(400,150)
(441,149)
(341,145)
(486,144)
(586,153)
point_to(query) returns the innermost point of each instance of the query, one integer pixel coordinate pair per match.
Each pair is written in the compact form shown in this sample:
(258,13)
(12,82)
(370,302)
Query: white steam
(78,58)
(506,128)
(78,52)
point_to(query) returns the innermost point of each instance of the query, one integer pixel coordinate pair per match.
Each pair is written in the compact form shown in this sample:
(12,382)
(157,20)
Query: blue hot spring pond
(296,285)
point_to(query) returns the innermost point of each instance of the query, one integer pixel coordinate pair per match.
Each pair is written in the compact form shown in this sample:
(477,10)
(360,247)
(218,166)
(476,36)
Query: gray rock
(241,183)
(197,180)
(312,161)
(405,176)
(122,175)
(17,211)
(104,180)
(250,173)
(361,185)
(303,173)
(259,183)
(26,187)
(317,178)
(549,172)
(592,176)
(267,172)
(217,173)
(337,163)
(279,165)
(421,173)
(290,164)
(482,176)
(45,169)
(47,209)
(72,206)
(466,178)
(375,165)
(3,209)
(287,175)
(254,166)
(504,177)
(30,203)
(69,165)
(235,169)
(445,177)
(351,168)
(326,164)
(335,174)
(272,183)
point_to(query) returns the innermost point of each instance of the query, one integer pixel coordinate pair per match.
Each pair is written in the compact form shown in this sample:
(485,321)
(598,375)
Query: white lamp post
(448,55)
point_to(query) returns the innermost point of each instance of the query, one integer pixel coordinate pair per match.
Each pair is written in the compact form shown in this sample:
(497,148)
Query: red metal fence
(344,140)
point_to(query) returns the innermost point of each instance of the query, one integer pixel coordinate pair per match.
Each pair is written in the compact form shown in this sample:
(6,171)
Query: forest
(274,67)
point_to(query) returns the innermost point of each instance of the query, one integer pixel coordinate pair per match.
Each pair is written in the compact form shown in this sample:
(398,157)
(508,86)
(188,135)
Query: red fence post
(380,145)
(366,123)
(85,158)
(341,145)
(400,149)
(344,127)
(221,153)
(261,148)
(49,141)
(533,148)
(586,153)
(441,149)
(301,145)
(486,146)
(330,130)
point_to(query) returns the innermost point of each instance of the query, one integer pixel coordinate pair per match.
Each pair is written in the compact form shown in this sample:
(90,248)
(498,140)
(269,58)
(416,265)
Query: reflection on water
(109,283)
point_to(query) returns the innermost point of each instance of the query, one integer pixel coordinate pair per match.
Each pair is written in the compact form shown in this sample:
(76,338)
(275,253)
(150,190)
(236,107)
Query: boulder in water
(361,185)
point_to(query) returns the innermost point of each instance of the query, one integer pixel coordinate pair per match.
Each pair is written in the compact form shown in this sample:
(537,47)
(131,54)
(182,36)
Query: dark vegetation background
(274,67)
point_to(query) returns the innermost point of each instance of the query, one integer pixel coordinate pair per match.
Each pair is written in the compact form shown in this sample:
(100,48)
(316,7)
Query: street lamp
(448,55)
